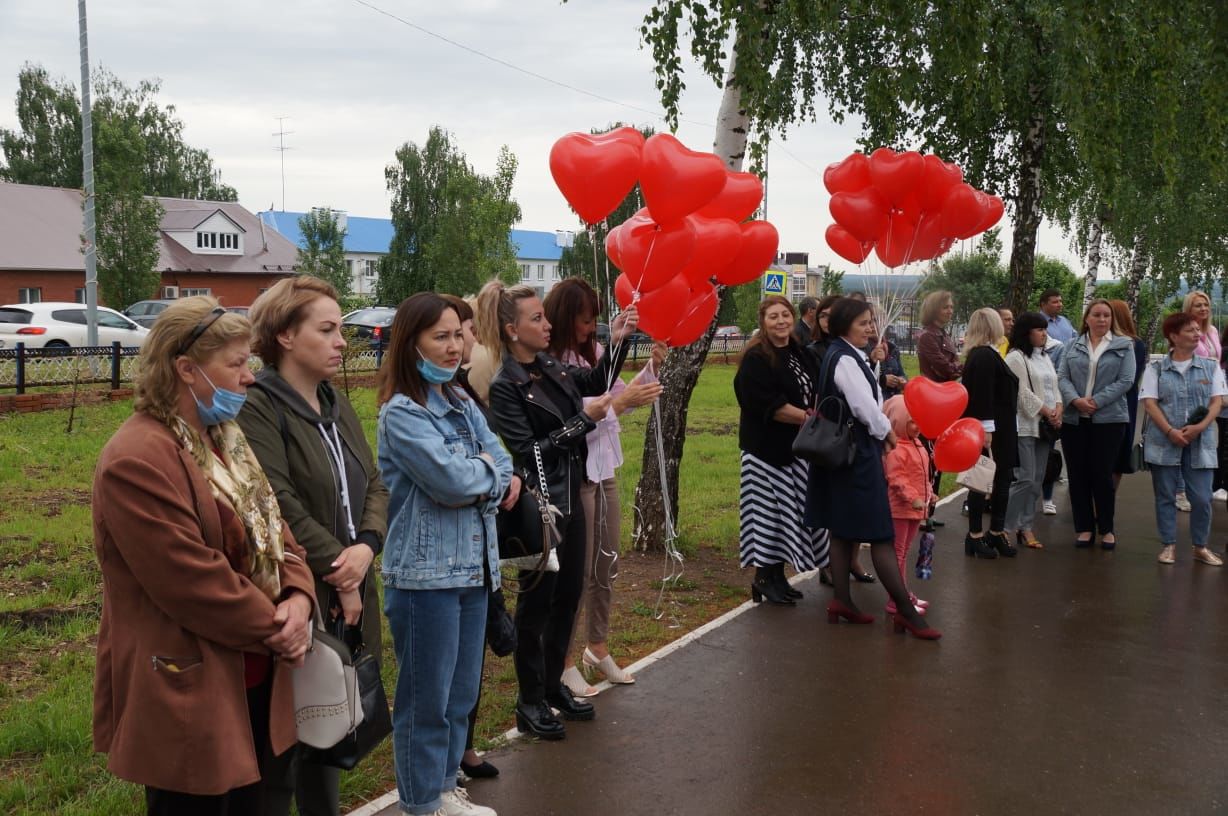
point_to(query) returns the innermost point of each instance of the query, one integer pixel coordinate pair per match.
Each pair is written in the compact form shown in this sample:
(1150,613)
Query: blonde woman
(1198,304)
(993,393)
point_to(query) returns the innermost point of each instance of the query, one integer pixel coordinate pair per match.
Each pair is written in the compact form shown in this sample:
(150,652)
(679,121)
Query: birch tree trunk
(1095,239)
(1138,268)
(1027,215)
(683,365)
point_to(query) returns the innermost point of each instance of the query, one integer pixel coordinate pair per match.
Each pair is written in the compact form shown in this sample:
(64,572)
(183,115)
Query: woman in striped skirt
(775,387)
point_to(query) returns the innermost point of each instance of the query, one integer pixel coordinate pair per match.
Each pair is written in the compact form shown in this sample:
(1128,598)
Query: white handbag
(979,477)
(327,705)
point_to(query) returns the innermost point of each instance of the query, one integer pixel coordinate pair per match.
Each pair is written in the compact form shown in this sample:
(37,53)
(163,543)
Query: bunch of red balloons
(903,207)
(693,230)
(937,408)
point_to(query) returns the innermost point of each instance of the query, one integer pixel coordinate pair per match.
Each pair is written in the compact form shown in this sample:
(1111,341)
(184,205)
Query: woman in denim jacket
(447,475)
(1096,371)
(1182,395)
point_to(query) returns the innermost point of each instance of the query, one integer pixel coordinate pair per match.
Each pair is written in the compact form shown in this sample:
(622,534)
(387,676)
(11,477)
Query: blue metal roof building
(374,236)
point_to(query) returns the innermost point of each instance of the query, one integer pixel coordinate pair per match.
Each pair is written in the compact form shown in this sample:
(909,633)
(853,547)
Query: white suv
(61,325)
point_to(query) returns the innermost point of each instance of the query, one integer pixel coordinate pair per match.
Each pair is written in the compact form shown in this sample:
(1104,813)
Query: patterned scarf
(237,479)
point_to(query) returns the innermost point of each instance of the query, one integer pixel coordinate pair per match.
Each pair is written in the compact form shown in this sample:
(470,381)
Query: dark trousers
(1091,451)
(249,800)
(546,614)
(293,777)
(997,501)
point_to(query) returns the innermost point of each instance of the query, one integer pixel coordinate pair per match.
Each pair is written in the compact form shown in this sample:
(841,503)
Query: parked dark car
(372,324)
(145,312)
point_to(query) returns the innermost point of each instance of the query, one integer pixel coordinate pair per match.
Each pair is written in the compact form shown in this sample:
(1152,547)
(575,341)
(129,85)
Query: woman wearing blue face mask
(206,597)
(446,474)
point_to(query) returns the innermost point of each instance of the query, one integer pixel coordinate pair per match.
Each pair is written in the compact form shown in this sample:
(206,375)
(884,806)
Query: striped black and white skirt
(770,513)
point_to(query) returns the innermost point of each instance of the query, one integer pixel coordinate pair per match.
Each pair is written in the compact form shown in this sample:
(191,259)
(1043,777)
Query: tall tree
(451,225)
(127,234)
(46,147)
(323,252)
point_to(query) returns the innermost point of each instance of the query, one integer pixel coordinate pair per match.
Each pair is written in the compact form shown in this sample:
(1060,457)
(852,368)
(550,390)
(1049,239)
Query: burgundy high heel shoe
(837,610)
(928,633)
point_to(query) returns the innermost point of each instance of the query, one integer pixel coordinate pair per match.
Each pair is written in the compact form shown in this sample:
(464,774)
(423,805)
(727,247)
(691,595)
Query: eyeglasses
(201,327)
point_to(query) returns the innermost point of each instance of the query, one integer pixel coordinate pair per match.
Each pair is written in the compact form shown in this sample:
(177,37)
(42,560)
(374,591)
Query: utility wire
(498,61)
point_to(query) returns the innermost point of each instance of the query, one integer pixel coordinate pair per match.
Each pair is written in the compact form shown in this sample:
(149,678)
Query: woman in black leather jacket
(537,401)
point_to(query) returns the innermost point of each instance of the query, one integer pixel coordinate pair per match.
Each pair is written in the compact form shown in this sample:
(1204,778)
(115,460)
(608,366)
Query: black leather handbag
(376,722)
(826,443)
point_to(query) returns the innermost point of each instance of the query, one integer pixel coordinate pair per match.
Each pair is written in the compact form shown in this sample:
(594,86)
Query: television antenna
(281,148)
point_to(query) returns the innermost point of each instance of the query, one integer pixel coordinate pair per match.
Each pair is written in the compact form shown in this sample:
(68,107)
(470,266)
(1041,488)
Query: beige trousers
(603,528)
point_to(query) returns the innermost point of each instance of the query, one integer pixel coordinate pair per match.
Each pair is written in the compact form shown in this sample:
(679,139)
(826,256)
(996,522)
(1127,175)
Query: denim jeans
(439,636)
(1165,481)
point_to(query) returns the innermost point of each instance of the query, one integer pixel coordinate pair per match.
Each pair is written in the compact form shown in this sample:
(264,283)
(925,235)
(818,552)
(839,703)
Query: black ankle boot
(778,571)
(978,547)
(1000,543)
(766,588)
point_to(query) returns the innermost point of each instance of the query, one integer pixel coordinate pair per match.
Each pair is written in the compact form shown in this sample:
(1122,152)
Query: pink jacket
(907,467)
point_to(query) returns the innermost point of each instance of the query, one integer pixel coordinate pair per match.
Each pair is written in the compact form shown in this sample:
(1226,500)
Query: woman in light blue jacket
(1182,395)
(1096,371)
(447,474)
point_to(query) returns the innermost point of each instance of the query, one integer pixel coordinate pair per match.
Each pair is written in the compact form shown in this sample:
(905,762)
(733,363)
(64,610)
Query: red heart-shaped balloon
(959,446)
(928,237)
(844,244)
(759,243)
(676,181)
(696,317)
(994,208)
(738,199)
(717,241)
(982,206)
(652,254)
(896,175)
(863,213)
(961,212)
(934,406)
(849,175)
(659,309)
(894,246)
(937,179)
(612,250)
(595,173)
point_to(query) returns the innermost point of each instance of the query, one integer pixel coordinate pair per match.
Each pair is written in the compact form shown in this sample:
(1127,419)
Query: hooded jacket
(907,466)
(287,436)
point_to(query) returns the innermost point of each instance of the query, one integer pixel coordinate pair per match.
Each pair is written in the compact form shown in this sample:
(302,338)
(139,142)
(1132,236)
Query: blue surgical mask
(436,374)
(226,404)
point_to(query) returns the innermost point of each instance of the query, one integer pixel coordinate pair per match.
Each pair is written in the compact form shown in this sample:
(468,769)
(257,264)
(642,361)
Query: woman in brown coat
(207,600)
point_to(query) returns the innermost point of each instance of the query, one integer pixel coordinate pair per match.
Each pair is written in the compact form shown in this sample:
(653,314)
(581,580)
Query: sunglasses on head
(201,327)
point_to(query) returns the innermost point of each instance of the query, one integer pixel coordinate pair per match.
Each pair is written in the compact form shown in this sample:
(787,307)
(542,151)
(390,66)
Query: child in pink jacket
(909,490)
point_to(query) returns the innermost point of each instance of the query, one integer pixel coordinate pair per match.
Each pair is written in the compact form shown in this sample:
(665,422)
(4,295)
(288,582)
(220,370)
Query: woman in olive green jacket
(311,445)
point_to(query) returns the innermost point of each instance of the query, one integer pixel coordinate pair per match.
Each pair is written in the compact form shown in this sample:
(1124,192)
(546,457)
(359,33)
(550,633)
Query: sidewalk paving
(1067,681)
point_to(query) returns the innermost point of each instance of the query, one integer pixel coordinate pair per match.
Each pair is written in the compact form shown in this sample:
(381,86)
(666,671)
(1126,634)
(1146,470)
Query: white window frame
(187,292)
(30,294)
(371,268)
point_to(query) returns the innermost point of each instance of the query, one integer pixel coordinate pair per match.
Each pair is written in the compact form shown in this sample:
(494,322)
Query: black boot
(765,587)
(978,547)
(1000,543)
(778,570)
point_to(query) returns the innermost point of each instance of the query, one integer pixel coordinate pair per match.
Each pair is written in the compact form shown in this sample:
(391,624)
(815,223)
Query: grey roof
(41,228)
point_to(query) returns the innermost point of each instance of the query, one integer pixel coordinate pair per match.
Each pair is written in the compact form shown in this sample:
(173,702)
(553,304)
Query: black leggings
(998,500)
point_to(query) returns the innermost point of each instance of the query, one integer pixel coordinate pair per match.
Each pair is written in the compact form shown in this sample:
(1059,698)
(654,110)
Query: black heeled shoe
(537,719)
(1000,543)
(978,547)
(483,770)
(778,571)
(1084,543)
(825,576)
(764,588)
(569,706)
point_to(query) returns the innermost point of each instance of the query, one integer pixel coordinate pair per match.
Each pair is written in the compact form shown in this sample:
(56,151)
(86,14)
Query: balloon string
(673,558)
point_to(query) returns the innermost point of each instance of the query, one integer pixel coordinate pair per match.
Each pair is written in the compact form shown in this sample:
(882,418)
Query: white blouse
(865,403)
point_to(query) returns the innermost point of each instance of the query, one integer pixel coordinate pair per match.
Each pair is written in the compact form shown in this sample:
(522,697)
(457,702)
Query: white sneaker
(1183,503)
(1050,509)
(456,803)
(1220,495)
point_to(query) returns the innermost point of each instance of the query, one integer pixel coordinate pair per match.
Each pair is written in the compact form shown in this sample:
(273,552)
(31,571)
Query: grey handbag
(327,704)
(979,477)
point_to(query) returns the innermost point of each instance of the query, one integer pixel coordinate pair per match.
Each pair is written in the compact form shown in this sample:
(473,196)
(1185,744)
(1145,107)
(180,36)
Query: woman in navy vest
(851,502)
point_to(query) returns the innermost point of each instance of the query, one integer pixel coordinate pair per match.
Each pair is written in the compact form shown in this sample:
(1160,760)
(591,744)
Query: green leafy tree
(127,234)
(46,146)
(323,253)
(833,282)
(451,225)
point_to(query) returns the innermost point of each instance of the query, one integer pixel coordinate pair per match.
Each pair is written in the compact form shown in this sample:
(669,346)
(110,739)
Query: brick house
(204,247)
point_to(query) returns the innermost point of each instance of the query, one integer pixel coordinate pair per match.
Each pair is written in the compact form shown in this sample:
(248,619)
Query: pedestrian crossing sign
(773,283)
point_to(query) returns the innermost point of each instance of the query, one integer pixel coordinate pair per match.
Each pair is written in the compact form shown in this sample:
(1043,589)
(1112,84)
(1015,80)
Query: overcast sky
(356,84)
